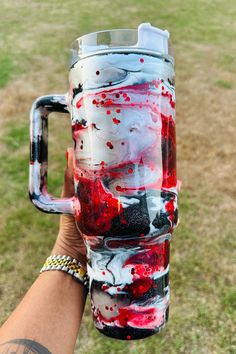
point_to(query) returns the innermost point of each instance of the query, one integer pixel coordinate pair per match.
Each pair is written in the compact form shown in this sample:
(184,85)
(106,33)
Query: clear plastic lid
(145,38)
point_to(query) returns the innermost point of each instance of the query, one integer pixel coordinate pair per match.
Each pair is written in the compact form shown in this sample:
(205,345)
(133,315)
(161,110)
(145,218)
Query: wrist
(68,265)
(61,248)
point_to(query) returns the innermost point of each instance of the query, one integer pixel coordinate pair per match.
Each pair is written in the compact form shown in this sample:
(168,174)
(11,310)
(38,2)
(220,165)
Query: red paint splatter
(139,287)
(116,121)
(98,206)
(124,189)
(166,94)
(168,152)
(170,206)
(130,170)
(78,104)
(156,258)
(136,316)
(172,103)
(118,110)
(108,103)
(128,337)
(141,60)
(108,112)
(140,88)
(109,144)
(123,316)
(76,176)
(103,95)
(105,287)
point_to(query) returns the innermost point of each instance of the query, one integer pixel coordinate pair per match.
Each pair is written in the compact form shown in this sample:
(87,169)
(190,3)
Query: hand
(69,241)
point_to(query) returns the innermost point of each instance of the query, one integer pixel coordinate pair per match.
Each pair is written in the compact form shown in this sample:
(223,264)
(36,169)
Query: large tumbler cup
(122,105)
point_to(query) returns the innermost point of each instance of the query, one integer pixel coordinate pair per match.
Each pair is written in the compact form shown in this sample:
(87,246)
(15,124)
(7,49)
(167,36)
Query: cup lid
(152,38)
(146,37)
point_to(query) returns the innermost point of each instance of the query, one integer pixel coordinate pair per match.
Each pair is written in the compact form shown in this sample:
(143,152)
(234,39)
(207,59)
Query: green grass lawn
(35,37)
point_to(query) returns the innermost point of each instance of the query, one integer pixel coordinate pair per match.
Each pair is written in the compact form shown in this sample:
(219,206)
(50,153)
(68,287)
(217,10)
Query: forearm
(49,314)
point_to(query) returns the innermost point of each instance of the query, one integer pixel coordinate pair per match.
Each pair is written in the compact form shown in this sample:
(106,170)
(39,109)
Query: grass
(224,84)
(35,37)
(7,67)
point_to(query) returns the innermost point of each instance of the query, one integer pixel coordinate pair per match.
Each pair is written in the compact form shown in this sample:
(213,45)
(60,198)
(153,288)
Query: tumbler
(121,101)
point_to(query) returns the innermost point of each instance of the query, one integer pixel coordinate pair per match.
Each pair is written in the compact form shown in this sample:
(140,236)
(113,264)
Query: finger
(68,188)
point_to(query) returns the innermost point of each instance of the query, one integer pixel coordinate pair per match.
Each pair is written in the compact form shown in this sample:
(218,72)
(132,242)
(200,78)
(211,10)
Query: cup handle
(39,155)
